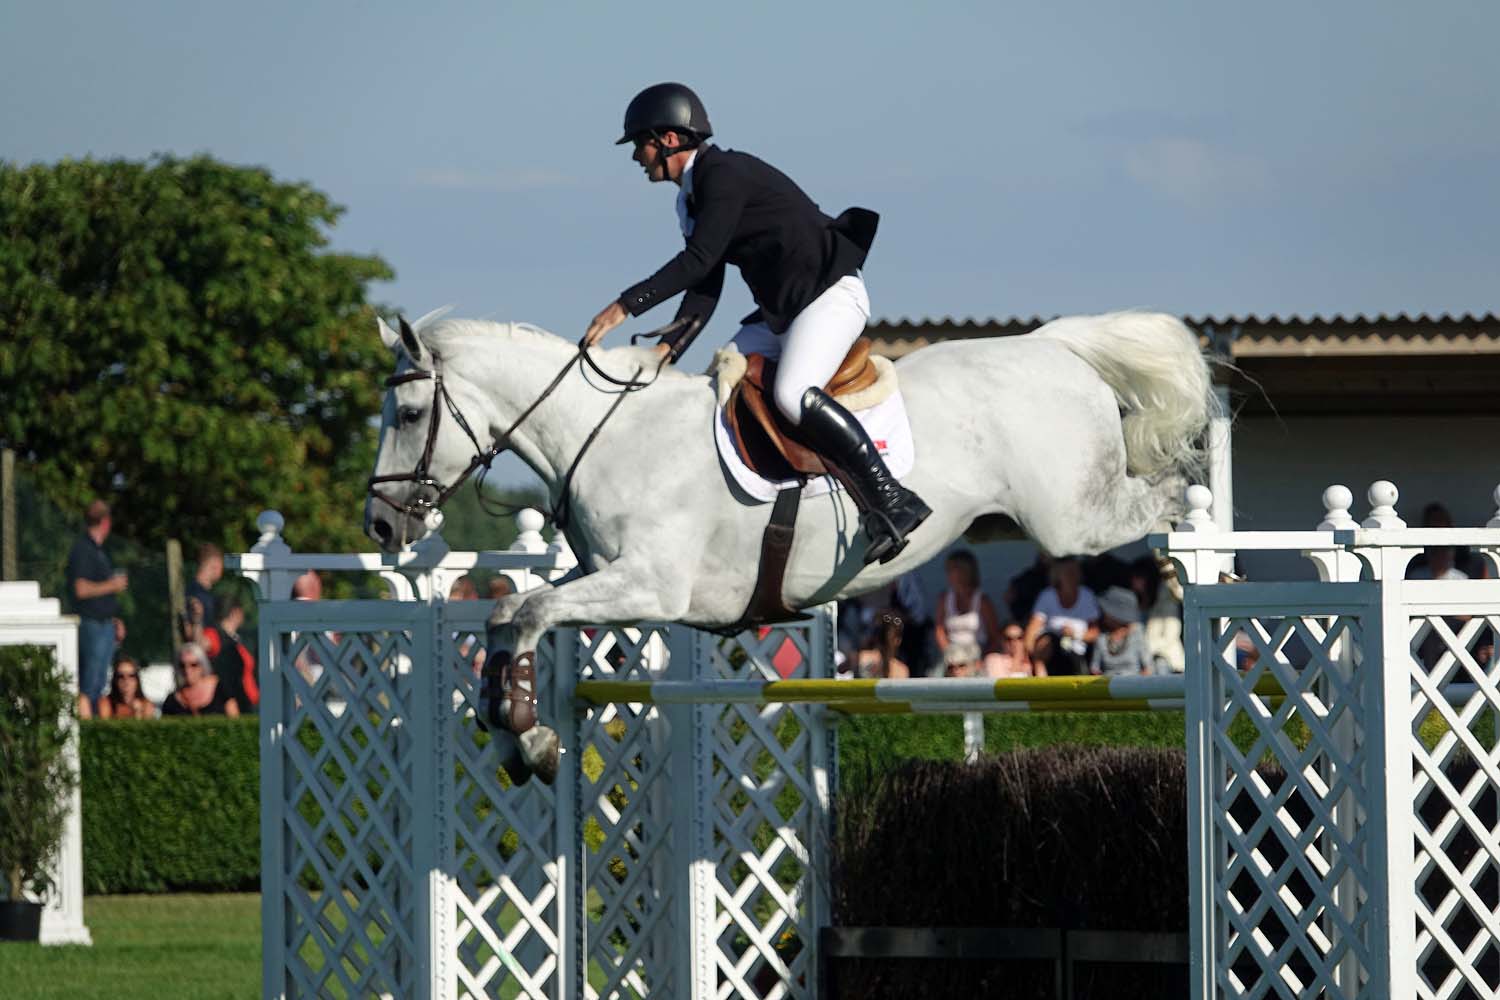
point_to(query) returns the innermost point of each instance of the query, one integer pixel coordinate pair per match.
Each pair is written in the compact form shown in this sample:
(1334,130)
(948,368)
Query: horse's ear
(388,336)
(409,340)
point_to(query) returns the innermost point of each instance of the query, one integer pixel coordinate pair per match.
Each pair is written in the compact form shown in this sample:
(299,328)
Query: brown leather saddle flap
(766,441)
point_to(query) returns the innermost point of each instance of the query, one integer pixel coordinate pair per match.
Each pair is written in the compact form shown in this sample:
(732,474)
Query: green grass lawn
(148,947)
(174,947)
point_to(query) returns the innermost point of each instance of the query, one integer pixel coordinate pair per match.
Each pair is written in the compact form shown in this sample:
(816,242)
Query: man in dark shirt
(200,589)
(803,269)
(92,586)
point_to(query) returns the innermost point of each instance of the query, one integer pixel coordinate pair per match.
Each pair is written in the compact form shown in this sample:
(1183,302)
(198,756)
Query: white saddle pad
(886,422)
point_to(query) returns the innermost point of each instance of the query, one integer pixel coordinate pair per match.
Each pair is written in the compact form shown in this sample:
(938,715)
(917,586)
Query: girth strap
(768,602)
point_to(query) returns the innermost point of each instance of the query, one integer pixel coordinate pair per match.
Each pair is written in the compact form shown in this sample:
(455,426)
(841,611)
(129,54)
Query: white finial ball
(1383,493)
(270,521)
(530,520)
(1496,497)
(1199,497)
(1337,497)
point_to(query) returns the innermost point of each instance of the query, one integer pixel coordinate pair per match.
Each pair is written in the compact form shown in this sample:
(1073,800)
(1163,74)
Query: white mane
(620,361)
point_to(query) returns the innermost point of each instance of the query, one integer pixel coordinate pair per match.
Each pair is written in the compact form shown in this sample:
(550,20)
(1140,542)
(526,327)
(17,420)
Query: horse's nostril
(383,530)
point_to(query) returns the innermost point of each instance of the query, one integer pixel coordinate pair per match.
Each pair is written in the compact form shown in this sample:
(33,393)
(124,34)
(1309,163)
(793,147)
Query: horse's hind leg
(1097,511)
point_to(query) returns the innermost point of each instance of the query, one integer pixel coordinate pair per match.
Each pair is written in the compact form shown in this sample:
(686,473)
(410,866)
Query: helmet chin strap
(665,152)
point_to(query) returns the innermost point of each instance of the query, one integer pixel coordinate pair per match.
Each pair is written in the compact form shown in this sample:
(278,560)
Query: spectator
(309,587)
(125,699)
(1445,562)
(1154,581)
(1121,648)
(967,627)
(464,589)
(233,663)
(1464,559)
(878,655)
(198,690)
(500,586)
(907,597)
(1063,623)
(93,585)
(1023,590)
(200,588)
(1011,660)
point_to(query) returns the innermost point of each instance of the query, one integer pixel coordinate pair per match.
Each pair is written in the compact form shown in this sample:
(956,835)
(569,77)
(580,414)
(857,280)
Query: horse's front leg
(619,594)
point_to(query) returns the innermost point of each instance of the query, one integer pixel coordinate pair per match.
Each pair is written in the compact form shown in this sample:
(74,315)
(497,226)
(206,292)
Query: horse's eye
(410,414)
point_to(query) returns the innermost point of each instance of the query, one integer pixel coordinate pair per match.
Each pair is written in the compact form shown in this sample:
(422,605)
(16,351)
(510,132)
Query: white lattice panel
(1451,641)
(763,788)
(510,898)
(632,923)
(403,863)
(1282,811)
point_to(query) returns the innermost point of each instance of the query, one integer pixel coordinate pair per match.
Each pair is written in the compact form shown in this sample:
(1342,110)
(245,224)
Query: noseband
(419,503)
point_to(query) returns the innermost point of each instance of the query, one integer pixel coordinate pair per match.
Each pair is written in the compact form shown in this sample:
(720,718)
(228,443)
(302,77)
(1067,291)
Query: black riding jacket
(747,213)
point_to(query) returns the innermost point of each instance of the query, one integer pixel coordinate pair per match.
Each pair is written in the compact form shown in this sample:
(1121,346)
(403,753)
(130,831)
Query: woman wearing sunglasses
(125,699)
(198,691)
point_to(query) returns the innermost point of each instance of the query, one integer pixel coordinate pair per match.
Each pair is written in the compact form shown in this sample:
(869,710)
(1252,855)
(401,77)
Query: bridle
(429,493)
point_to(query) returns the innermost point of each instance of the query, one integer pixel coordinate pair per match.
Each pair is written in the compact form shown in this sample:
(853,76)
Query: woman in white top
(968,630)
(1064,622)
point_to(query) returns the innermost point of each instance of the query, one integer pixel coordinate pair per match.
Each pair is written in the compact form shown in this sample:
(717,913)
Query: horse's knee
(506,608)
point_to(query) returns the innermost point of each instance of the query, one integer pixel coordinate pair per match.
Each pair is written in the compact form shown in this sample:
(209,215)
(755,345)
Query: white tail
(1153,364)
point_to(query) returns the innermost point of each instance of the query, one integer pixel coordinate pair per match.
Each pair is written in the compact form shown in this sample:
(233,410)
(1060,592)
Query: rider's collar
(686,181)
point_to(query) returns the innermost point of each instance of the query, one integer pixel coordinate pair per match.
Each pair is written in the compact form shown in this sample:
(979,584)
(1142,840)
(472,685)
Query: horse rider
(803,269)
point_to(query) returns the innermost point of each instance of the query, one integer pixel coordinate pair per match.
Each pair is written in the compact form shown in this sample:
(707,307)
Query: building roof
(1245,336)
(1319,364)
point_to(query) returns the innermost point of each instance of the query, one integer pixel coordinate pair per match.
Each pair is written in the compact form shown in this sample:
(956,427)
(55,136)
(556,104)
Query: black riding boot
(889,510)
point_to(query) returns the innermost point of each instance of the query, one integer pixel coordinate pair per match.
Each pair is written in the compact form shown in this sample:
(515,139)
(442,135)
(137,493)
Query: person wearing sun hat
(1121,647)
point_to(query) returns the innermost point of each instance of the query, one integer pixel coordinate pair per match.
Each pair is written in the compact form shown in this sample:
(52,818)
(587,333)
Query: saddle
(769,443)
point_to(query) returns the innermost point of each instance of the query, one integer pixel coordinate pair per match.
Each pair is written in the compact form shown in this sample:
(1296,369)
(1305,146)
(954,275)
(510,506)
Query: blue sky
(1026,159)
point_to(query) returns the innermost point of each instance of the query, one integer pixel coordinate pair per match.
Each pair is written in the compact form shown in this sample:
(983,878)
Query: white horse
(1079,434)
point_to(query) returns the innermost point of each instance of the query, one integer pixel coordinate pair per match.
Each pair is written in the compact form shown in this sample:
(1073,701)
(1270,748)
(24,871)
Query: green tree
(176,337)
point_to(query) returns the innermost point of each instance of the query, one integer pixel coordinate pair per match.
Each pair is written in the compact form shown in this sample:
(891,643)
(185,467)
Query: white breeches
(814,346)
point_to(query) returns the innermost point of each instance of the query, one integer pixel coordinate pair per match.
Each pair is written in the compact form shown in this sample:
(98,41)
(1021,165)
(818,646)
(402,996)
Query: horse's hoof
(542,751)
(512,758)
(493,704)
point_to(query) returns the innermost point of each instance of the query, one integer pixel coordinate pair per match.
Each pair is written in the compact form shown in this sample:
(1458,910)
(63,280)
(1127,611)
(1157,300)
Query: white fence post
(1368,871)
(27,618)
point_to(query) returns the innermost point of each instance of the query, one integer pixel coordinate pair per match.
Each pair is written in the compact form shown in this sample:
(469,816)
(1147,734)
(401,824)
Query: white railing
(680,853)
(1342,837)
(1341,740)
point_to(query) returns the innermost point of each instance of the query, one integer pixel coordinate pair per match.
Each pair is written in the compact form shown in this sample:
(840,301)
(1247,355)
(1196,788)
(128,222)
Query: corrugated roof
(1251,335)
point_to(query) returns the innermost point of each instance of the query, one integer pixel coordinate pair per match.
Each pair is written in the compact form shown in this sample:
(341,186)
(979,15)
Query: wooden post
(176,602)
(8,540)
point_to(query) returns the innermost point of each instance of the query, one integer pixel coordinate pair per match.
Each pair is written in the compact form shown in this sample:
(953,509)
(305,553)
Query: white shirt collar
(684,221)
(687,173)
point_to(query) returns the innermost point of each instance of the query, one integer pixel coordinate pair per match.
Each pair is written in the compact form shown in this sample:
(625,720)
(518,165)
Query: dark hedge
(1065,837)
(170,805)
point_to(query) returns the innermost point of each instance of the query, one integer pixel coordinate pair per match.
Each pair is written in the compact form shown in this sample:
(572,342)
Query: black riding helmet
(666,107)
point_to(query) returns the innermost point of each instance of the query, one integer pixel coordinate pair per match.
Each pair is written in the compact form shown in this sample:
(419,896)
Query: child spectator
(1121,648)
